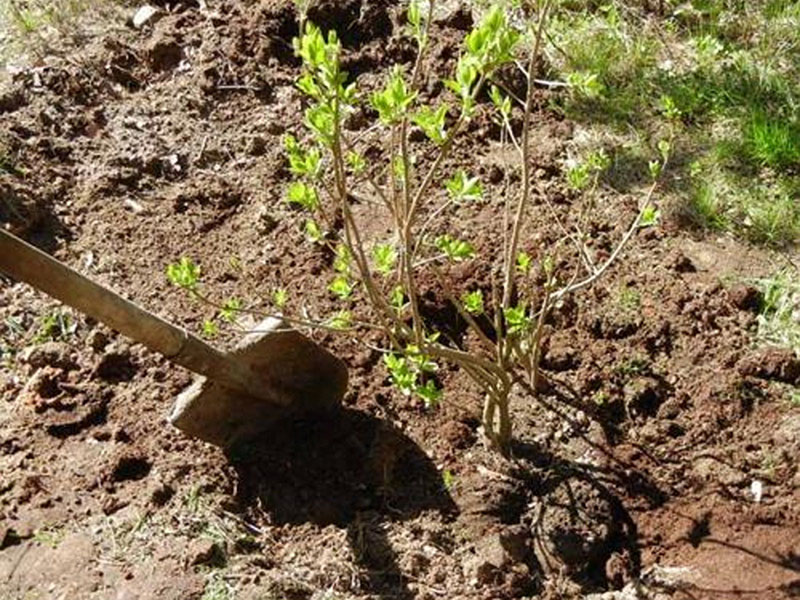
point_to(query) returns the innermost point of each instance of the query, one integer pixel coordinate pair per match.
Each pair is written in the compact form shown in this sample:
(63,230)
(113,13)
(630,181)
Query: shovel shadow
(348,469)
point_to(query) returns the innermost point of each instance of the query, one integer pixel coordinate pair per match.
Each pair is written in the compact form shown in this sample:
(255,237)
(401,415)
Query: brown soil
(633,471)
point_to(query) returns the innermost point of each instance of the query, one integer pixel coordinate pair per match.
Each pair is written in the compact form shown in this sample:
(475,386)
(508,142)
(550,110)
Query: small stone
(201,551)
(144,15)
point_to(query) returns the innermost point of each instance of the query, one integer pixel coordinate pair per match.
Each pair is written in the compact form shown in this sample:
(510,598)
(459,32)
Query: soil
(633,474)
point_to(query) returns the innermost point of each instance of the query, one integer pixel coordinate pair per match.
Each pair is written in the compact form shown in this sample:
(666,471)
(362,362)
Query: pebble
(144,15)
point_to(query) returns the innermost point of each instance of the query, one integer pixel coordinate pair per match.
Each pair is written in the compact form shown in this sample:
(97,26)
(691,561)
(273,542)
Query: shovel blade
(302,376)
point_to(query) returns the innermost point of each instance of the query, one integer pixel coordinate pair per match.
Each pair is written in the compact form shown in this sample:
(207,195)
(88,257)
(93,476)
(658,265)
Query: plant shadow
(347,469)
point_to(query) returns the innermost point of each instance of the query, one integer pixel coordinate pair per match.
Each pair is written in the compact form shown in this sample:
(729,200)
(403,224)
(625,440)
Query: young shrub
(378,279)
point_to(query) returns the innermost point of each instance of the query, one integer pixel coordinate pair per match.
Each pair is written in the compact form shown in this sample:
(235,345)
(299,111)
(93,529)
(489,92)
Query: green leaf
(501,102)
(516,319)
(473,302)
(585,84)
(342,260)
(279,298)
(664,148)
(430,394)
(356,162)
(341,287)
(393,101)
(655,168)
(321,120)
(401,374)
(385,257)
(524,263)
(448,479)
(578,177)
(230,309)
(185,274)
(342,320)
(313,232)
(420,361)
(650,216)
(457,250)
(397,299)
(432,123)
(209,329)
(303,195)
(302,162)
(463,187)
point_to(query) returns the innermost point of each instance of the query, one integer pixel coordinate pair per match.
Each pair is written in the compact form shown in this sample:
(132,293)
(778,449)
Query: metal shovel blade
(301,376)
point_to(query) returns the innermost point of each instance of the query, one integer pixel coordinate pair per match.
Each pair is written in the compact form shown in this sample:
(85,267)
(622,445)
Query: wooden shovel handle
(22,261)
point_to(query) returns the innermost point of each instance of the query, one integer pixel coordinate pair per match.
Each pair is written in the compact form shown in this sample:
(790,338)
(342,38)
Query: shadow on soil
(348,469)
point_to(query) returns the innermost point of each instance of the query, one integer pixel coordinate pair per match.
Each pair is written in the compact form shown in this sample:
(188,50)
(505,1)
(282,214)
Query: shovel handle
(22,261)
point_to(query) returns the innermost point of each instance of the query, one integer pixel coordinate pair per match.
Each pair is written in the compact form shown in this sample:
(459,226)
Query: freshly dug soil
(633,470)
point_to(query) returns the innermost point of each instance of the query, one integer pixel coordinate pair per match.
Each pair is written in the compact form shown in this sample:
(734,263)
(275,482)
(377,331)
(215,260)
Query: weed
(629,299)
(448,479)
(218,589)
(632,367)
(55,326)
(50,536)
(779,315)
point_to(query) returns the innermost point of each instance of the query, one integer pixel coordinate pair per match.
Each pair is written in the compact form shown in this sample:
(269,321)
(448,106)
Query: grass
(719,79)
(29,27)
(218,589)
(779,314)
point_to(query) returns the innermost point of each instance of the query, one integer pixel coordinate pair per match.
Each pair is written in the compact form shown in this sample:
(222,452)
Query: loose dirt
(634,470)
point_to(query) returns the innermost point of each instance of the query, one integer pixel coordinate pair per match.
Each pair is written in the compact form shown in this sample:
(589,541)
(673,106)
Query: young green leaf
(279,298)
(385,257)
(650,216)
(341,287)
(463,187)
(356,162)
(342,320)
(502,103)
(578,177)
(209,329)
(473,302)
(301,162)
(524,263)
(185,273)
(401,374)
(394,100)
(430,394)
(397,298)
(313,232)
(432,123)
(655,168)
(516,319)
(303,195)
(421,362)
(230,309)
(456,250)
(343,260)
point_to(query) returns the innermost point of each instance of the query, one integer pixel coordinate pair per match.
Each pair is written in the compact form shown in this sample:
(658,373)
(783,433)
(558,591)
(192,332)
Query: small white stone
(143,15)
(757,489)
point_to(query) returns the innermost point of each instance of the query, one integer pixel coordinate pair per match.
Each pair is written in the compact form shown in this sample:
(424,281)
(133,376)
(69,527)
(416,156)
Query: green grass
(779,314)
(720,78)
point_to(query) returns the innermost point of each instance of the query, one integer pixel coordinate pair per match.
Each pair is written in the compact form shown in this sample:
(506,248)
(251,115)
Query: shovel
(273,373)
